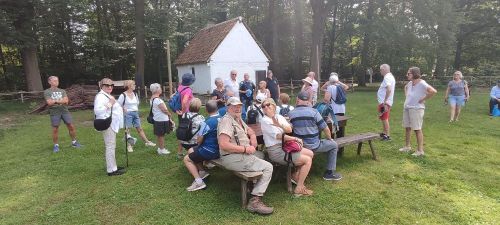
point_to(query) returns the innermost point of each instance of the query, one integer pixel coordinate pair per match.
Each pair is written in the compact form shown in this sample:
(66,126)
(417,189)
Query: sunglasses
(266,105)
(108,85)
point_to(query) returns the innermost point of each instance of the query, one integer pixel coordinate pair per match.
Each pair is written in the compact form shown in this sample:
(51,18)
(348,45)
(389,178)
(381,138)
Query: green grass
(457,182)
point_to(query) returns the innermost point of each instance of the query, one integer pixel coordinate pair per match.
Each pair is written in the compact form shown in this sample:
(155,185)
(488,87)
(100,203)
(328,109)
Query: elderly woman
(163,123)
(130,104)
(456,95)
(219,93)
(105,106)
(197,119)
(273,127)
(307,86)
(416,92)
(263,91)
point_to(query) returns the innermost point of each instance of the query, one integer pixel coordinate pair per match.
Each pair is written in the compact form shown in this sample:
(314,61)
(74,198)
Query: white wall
(223,70)
(238,46)
(202,74)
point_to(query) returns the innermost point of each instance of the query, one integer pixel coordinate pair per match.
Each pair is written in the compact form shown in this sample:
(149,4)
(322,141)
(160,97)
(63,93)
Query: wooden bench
(359,139)
(245,178)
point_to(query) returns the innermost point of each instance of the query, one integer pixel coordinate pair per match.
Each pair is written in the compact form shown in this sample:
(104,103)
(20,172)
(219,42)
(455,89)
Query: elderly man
(495,97)
(273,86)
(232,85)
(247,89)
(57,102)
(385,98)
(307,123)
(237,147)
(315,86)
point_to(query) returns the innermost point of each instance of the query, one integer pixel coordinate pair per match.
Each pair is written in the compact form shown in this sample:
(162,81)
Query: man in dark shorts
(57,102)
(273,86)
(207,149)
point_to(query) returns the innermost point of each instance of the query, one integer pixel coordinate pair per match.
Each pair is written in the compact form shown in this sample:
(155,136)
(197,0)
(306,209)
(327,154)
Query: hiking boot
(56,148)
(255,205)
(418,153)
(150,144)
(163,151)
(195,186)
(76,145)
(130,148)
(405,149)
(330,175)
(203,174)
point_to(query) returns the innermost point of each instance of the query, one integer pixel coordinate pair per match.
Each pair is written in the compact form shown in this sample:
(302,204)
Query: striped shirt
(307,124)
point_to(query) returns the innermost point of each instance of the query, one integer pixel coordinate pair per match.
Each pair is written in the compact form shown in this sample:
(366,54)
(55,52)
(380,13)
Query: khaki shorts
(413,118)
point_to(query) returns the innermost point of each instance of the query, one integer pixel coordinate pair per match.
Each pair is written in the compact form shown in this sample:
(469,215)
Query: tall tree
(320,10)
(298,50)
(139,46)
(365,54)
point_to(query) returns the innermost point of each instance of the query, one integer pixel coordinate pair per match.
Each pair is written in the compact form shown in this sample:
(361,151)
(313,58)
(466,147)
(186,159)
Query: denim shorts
(456,100)
(55,120)
(132,119)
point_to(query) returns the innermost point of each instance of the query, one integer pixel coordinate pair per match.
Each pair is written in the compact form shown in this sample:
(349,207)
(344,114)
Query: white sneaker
(195,186)
(405,149)
(150,144)
(130,148)
(203,174)
(163,151)
(417,153)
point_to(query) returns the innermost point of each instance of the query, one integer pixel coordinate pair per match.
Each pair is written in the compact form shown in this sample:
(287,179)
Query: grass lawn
(457,182)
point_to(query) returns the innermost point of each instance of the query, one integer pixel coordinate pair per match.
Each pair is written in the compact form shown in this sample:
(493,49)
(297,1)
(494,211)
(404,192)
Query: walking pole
(126,140)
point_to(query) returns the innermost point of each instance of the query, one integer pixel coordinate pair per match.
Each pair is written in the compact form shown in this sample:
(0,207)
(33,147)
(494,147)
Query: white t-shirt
(131,104)
(158,115)
(232,86)
(390,82)
(278,108)
(337,108)
(315,86)
(414,94)
(269,131)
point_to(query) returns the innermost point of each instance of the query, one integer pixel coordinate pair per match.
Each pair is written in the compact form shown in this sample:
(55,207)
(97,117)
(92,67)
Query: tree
(320,10)
(139,46)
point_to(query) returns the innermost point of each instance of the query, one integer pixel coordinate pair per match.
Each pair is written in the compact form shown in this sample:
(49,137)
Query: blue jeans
(329,146)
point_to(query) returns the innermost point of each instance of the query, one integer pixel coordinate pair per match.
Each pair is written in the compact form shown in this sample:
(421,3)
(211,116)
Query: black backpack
(284,111)
(184,130)
(253,114)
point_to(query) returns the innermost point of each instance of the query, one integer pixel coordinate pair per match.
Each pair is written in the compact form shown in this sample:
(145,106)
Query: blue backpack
(496,112)
(341,96)
(326,110)
(175,103)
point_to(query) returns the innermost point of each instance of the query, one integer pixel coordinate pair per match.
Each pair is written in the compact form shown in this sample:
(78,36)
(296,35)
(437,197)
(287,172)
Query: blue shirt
(307,124)
(495,92)
(209,147)
(244,86)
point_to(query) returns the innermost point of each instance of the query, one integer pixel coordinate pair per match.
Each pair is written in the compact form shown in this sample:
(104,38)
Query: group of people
(224,135)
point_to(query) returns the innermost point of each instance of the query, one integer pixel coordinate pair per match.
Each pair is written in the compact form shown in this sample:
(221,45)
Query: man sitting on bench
(237,145)
(307,123)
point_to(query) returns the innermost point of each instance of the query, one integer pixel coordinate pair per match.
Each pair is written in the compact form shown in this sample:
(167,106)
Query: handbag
(289,147)
(103,124)
(150,116)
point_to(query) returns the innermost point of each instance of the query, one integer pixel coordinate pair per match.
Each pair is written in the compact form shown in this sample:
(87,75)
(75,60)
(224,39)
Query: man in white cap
(237,147)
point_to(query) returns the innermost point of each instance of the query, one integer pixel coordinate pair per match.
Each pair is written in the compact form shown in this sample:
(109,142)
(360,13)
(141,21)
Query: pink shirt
(189,93)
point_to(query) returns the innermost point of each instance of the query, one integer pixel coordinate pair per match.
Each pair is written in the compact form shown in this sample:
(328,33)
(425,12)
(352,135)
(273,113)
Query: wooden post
(169,69)
(145,92)
(291,86)
(319,69)
(22,97)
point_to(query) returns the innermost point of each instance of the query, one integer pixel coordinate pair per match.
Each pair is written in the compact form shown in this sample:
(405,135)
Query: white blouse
(269,131)
(102,110)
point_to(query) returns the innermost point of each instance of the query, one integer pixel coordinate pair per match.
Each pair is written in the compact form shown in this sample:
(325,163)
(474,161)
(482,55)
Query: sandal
(302,192)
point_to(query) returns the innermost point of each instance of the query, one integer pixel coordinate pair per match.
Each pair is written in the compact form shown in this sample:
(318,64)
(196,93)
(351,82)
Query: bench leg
(289,179)
(374,156)
(244,196)
(359,147)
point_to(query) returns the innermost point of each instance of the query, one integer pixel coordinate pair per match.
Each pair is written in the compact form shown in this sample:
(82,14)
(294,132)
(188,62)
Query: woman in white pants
(104,105)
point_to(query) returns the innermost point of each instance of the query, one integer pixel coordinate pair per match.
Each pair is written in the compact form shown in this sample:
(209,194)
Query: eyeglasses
(266,105)
(108,85)
(233,74)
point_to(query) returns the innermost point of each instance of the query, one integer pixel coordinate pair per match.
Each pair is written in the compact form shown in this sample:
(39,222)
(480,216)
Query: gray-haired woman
(162,117)
(219,93)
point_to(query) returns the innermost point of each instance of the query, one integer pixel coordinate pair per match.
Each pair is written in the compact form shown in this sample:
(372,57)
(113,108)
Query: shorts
(383,113)
(277,155)
(55,120)
(413,118)
(188,146)
(456,100)
(160,128)
(132,119)
(196,157)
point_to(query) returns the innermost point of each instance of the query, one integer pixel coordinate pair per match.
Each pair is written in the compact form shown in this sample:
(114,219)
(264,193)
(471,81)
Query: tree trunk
(139,49)
(4,68)
(366,44)
(320,11)
(458,52)
(271,38)
(31,70)
(333,34)
(299,40)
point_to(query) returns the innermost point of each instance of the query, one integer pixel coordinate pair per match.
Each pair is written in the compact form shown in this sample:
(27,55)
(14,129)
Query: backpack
(326,110)
(175,103)
(341,96)
(253,114)
(184,131)
(284,111)
(150,116)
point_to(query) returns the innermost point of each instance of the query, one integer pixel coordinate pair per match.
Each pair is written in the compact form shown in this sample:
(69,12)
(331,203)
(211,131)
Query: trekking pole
(126,142)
